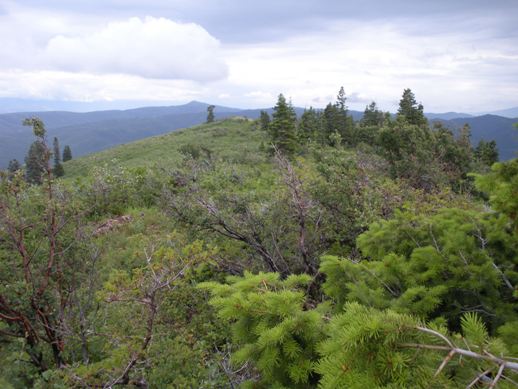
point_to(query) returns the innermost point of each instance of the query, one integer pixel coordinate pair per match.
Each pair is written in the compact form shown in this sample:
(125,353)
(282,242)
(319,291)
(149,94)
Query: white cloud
(260,95)
(150,47)
(66,86)
(57,54)
(445,70)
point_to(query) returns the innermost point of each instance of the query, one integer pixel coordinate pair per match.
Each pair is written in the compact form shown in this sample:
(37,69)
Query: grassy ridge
(230,139)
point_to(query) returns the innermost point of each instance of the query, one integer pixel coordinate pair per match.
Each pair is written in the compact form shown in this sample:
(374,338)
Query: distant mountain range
(511,113)
(94,131)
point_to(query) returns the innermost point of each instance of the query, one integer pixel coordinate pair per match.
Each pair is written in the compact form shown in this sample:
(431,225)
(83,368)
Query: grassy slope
(229,139)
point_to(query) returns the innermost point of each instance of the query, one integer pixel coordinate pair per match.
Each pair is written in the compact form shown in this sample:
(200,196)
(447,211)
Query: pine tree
(501,186)
(271,327)
(341,99)
(336,121)
(309,125)
(13,166)
(58,167)
(372,116)
(264,120)
(210,113)
(487,152)
(283,127)
(371,348)
(67,153)
(412,112)
(431,266)
(35,162)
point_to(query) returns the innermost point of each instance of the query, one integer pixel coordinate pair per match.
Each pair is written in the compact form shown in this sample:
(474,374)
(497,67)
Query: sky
(455,55)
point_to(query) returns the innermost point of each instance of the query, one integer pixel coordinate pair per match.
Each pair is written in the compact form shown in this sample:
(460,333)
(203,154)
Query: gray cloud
(253,21)
(150,47)
(452,53)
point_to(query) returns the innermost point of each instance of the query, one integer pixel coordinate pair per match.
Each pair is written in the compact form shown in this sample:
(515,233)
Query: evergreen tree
(412,112)
(372,116)
(58,167)
(487,152)
(501,186)
(439,265)
(35,162)
(309,125)
(464,152)
(409,149)
(341,99)
(67,153)
(264,120)
(330,122)
(283,126)
(13,166)
(210,113)
(336,121)
(271,327)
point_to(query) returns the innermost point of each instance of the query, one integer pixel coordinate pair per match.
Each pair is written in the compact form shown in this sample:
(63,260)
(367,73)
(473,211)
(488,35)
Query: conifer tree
(487,152)
(210,113)
(372,116)
(271,327)
(264,120)
(283,127)
(13,166)
(67,153)
(331,122)
(58,167)
(412,112)
(336,120)
(341,99)
(35,162)
(38,155)
(309,125)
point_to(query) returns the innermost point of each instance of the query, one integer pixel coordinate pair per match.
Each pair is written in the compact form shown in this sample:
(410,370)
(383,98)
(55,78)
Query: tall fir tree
(309,125)
(372,116)
(341,99)
(336,124)
(58,167)
(210,113)
(412,112)
(67,153)
(486,152)
(264,120)
(36,161)
(13,166)
(283,129)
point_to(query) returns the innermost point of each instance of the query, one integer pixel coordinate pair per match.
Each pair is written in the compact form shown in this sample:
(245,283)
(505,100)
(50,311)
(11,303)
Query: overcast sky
(456,55)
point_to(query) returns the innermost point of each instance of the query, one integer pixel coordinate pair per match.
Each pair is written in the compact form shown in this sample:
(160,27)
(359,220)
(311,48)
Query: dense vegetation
(282,252)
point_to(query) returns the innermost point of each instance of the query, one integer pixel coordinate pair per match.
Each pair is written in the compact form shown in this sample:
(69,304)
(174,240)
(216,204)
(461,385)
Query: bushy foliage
(440,265)
(501,185)
(67,153)
(282,128)
(413,271)
(370,348)
(110,189)
(271,326)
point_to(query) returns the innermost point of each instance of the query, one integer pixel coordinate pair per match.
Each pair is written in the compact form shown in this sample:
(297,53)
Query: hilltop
(229,139)
(169,255)
(88,132)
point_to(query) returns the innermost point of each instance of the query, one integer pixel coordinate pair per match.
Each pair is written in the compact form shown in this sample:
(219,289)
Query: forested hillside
(91,132)
(286,251)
